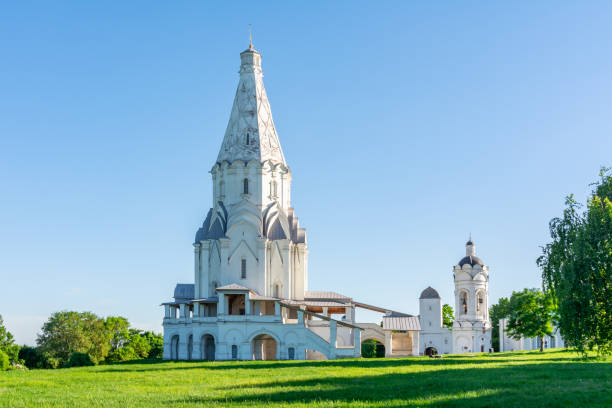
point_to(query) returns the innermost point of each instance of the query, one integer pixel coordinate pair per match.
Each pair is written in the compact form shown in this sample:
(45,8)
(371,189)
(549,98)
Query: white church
(250,297)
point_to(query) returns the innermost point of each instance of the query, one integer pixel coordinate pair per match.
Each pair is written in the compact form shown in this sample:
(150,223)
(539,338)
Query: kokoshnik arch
(250,297)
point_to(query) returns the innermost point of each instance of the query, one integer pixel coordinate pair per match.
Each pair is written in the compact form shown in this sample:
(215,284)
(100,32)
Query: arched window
(276,290)
(245,186)
(248,139)
(480,303)
(463,302)
(234,352)
(222,189)
(243,267)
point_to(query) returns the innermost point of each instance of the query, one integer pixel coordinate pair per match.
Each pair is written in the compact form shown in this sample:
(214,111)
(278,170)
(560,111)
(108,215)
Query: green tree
(498,311)
(7,343)
(531,314)
(448,316)
(4,361)
(70,332)
(577,269)
(156,341)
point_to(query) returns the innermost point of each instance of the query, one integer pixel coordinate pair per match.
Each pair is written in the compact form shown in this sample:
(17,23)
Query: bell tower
(472,328)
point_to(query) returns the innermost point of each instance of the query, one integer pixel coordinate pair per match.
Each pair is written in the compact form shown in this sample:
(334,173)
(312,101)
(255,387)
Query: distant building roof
(429,293)
(315,295)
(184,291)
(401,323)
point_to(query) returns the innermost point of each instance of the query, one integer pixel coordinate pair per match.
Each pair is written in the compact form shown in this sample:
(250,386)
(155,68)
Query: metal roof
(184,291)
(311,295)
(429,293)
(401,323)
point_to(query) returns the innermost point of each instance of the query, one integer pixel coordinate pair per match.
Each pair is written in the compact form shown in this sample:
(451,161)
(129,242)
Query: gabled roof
(234,286)
(250,133)
(401,323)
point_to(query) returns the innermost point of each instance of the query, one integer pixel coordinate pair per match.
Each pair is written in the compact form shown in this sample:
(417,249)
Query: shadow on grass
(545,384)
(510,358)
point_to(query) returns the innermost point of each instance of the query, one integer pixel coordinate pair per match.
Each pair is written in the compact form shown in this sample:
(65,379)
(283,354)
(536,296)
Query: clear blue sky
(407,126)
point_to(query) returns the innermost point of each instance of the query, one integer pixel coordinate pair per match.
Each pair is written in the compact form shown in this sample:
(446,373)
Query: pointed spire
(250,37)
(250,133)
(470,247)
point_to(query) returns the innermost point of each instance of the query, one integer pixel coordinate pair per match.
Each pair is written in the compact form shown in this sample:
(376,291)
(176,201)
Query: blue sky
(407,125)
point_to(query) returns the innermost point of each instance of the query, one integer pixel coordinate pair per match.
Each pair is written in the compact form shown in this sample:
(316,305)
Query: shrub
(79,360)
(4,361)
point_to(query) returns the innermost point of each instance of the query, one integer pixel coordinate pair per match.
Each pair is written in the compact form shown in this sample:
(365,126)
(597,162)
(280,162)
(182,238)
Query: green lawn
(551,379)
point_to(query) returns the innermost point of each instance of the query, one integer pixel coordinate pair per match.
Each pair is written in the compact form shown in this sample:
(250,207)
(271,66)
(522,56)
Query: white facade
(471,331)
(250,298)
(507,343)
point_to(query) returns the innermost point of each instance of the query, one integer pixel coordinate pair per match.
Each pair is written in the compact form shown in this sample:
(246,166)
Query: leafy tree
(33,357)
(577,269)
(447,316)
(498,311)
(69,332)
(7,343)
(4,361)
(79,360)
(156,341)
(531,314)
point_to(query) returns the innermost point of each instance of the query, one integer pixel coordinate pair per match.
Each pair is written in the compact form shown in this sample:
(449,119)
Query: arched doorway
(264,347)
(431,351)
(372,348)
(207,346)
(174,343)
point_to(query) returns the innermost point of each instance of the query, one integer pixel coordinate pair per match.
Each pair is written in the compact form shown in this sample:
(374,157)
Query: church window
(273,189)
(234,352)
(277,290)
(245,186)
(429,307)
(248,139)
(222,189)
(291,353)
(430,323)
(243,269)
(463,302)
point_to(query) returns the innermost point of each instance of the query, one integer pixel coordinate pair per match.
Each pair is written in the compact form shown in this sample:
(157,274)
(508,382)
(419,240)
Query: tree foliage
(531,315)
(4,361)
(448,316)
(7,344)
(498,311)
(70,332)
(577,269)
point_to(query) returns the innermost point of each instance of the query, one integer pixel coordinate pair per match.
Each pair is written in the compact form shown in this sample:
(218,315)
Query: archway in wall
(207,347)
(174,343)
(190,347)
(431,351)
(264,347)
(372,348)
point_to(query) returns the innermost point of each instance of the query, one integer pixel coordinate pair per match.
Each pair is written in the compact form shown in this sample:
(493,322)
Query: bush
(33,357)
(80,360)
(4,361)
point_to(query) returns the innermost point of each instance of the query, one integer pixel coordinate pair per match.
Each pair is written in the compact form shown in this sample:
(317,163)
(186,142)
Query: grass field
(552,379)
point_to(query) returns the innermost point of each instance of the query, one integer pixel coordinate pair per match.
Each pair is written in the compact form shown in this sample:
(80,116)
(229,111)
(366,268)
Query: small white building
(471,331)
(507,343)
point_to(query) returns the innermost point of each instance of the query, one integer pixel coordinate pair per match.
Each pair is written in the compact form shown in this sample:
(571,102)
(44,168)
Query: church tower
(250,236)
(472,328)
